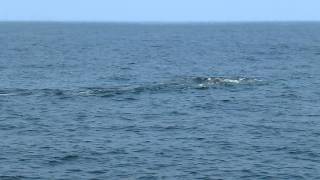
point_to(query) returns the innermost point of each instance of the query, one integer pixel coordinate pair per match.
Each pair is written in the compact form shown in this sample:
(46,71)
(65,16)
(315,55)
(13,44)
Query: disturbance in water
(174,85)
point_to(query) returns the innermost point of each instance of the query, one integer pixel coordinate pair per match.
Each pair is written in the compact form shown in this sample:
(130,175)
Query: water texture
(159,101)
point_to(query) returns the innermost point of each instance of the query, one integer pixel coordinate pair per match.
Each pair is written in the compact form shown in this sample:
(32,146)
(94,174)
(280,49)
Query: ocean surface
(159,101)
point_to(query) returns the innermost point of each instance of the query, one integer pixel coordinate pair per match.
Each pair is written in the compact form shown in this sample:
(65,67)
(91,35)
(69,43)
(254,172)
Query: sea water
(159,101)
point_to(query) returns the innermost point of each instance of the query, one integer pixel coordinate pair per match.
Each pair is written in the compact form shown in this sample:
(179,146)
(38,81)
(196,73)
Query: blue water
(159,101)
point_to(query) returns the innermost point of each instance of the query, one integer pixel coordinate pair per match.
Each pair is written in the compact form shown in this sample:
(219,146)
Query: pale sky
(160,10)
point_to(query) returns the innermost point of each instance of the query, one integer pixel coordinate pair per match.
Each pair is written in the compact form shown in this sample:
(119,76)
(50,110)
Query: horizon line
(159,22)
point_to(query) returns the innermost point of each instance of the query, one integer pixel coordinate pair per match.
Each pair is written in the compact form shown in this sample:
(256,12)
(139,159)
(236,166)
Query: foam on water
(204,82)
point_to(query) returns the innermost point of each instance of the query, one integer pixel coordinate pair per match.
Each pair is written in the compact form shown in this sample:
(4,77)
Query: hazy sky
(160,10)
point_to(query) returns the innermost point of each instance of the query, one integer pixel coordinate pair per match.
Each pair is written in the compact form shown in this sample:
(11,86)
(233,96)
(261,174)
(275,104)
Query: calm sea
(159,101)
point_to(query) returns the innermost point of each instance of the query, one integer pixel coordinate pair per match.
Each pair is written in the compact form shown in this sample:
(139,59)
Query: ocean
(159,101)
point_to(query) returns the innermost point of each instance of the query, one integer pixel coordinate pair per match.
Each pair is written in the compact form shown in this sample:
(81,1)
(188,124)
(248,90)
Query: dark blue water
(159,101)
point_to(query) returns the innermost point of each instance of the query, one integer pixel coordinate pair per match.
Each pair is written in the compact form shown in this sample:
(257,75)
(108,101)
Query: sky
(160,10)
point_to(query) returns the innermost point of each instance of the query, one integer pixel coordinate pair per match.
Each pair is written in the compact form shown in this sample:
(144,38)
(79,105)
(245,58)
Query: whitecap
(10,94)
(232,81)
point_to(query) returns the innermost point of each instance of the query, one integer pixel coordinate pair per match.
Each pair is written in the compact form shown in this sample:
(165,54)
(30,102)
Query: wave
(213,81)
(179,84)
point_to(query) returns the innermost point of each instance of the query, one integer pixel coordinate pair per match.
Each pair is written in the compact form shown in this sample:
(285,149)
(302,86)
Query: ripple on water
(167,86)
